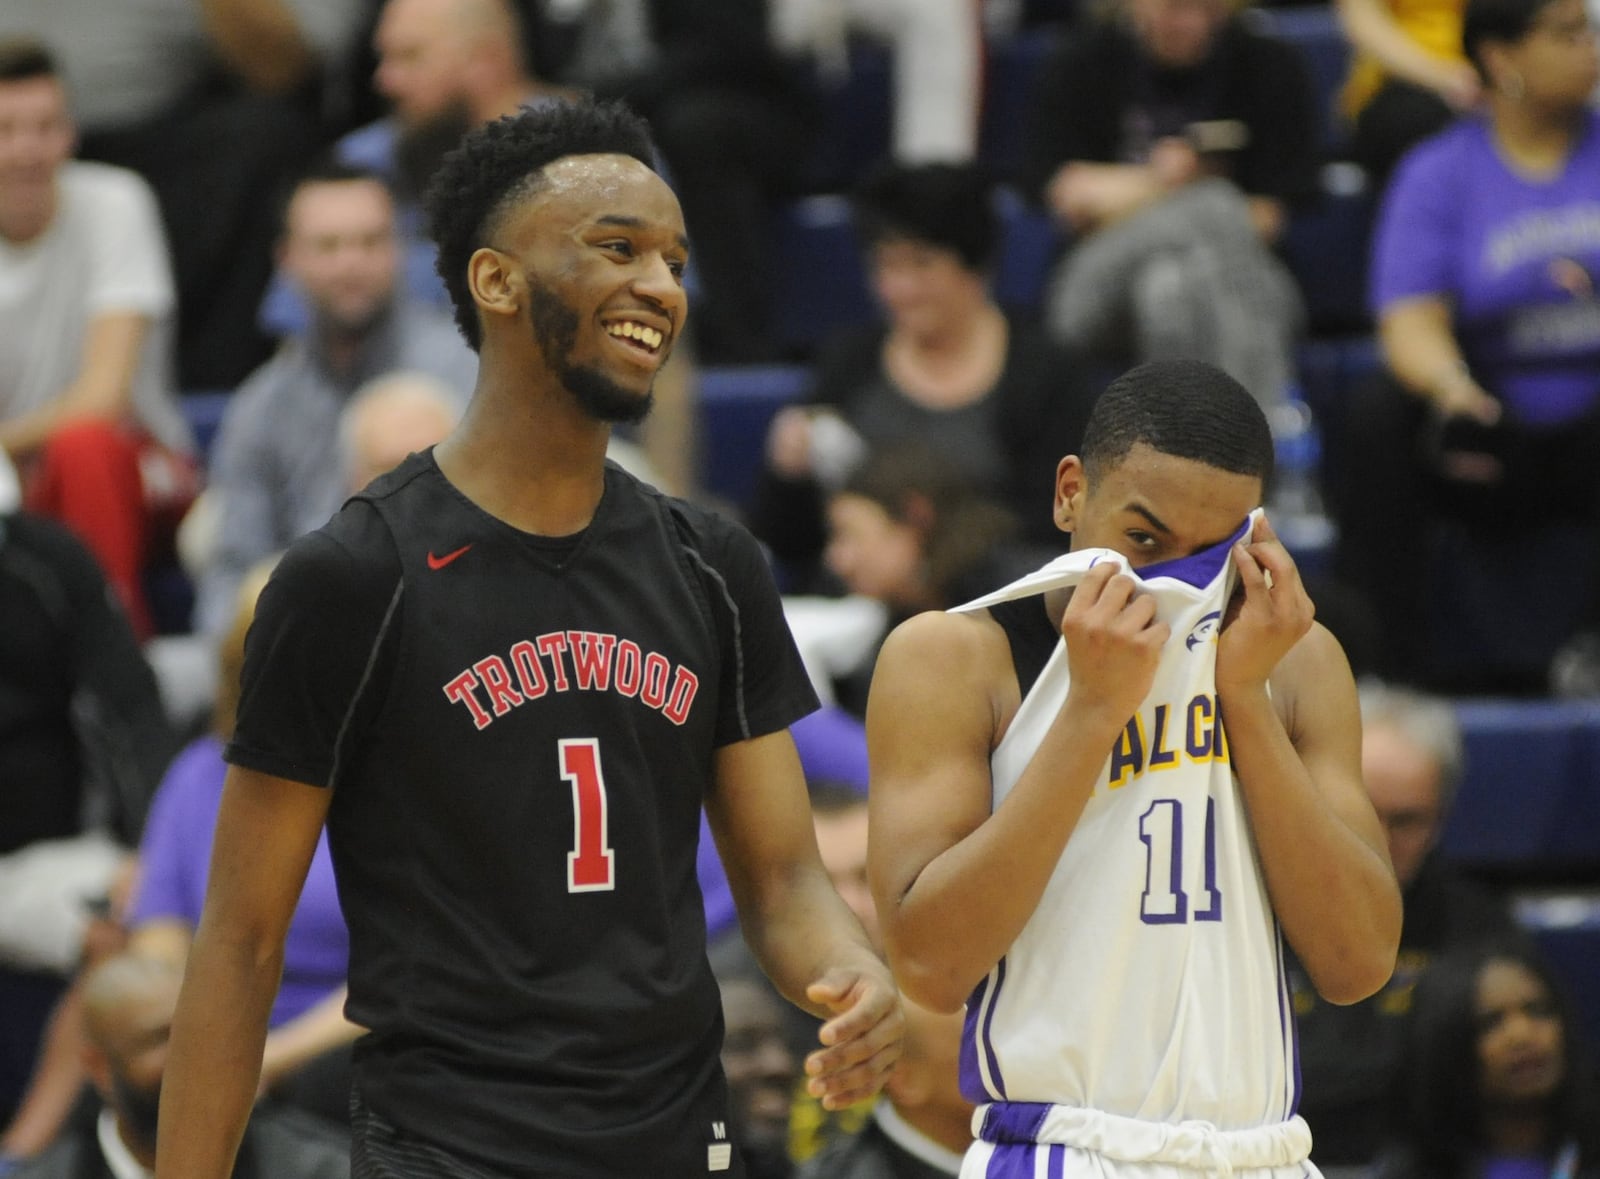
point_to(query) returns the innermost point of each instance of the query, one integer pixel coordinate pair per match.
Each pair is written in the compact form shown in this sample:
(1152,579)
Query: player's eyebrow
(625,221)
(1154,520)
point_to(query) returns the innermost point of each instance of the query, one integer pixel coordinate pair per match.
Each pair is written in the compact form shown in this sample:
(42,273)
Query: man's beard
(138,1109)
(555,330)
(420,148)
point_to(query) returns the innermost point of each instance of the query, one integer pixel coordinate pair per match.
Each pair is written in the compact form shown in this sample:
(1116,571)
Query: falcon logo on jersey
(1205,631)
(573,660)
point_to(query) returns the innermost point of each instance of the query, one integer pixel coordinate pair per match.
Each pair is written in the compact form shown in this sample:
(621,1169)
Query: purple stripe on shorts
(1010,1162)
(1198,569)
(1013,1121)
(1056,1164)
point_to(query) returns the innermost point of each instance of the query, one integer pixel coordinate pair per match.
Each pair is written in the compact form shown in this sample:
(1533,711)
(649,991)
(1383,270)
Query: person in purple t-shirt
(1485,263)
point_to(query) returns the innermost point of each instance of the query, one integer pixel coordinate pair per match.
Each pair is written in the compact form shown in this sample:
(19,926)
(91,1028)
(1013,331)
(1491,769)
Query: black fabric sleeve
(320,656)
(1279,105)
(1074,109)
(127,737)
(765,686)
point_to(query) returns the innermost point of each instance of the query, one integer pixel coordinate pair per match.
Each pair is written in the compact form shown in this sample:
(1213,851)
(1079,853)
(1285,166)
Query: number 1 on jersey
(589,864)
(1164,900)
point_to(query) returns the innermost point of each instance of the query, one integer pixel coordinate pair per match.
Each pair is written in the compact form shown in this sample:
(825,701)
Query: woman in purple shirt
(1485,265)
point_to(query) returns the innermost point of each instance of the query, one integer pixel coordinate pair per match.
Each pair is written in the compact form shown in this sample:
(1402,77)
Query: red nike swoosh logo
(440,562)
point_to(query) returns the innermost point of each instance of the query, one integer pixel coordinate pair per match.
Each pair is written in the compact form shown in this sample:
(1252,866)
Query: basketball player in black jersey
(509,675)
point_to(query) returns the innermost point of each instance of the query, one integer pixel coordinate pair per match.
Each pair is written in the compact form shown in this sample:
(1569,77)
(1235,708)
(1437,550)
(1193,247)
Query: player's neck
(534,461)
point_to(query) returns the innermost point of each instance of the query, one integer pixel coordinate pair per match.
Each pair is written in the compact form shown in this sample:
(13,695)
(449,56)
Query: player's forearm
(1332,890)
(802,932)
(319,1029)
(968,905)
(214,1061)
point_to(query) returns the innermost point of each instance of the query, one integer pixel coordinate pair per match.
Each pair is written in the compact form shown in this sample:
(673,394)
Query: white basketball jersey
(1149,982)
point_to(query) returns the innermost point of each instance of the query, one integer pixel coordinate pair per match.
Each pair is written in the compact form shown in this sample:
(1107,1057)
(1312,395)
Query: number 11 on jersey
(590,862)
(1165,901)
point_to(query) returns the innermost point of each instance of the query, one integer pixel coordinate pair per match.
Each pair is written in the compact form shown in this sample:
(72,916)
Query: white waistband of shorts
(1131,1140)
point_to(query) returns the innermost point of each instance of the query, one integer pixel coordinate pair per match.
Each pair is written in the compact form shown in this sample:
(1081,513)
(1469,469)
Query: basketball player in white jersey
(1099,844)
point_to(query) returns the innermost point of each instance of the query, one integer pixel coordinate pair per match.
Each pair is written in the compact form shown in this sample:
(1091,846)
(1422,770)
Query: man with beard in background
(275,469)
(128,1005)
(445,66)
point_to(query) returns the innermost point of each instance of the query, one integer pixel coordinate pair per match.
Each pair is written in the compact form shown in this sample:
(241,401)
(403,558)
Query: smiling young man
(1099,794)
(509,675)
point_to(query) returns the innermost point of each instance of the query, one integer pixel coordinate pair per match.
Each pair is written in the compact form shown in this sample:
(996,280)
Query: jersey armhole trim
(738,638)
(362,683)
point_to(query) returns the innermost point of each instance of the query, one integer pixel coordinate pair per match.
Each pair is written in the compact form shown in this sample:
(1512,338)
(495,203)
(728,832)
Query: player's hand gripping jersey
(1149,982)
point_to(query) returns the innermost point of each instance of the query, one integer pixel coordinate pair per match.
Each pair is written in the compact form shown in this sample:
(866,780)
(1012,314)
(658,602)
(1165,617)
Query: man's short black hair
(1183,408)
(500,163)
(945,205)
(25,58)
(326,169)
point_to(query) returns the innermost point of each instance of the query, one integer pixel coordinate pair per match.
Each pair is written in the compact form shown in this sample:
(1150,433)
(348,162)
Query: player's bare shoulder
(1312,676)
(963,660)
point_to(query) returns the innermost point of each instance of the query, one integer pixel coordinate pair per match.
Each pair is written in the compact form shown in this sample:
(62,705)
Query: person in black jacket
(947,368)
(1172,142)
(84,741)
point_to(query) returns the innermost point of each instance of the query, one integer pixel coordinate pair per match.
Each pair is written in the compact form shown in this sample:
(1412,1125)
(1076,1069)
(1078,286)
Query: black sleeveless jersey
(519,732)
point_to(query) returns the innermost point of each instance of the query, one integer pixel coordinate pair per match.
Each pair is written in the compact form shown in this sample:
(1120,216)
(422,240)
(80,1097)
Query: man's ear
(495,282)
(1072,483)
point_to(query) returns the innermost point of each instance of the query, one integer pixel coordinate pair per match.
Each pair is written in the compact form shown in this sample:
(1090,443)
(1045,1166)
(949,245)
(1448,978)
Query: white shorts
(1022,1140)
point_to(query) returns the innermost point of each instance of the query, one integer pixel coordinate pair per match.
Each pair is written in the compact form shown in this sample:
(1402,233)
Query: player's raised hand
(1114,641)
(1268,615)
(862,1041)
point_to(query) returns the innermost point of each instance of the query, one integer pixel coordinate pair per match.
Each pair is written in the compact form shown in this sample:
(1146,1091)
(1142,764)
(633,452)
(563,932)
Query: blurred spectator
(390,418)
(444,66)
(86,405)
(128,1006)
(83,742)
(922,1125)
(1496,1083)
(1410,77)
(991,397)
(734,122)
(1350,1057)
(908,530)
(201,97)
(276,471)
(762,1073)
(938,63)
(1173,141)
(1488,417)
